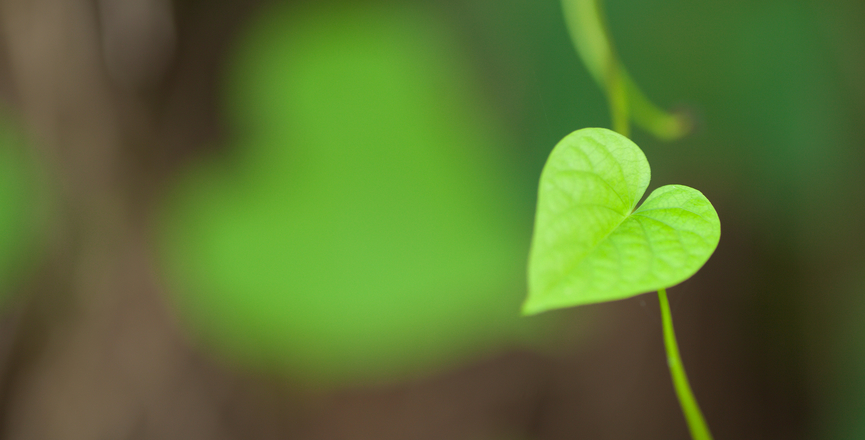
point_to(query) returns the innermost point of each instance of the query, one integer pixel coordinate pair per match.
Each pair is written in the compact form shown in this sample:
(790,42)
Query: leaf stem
(618,99)
(587,25)
(693,415)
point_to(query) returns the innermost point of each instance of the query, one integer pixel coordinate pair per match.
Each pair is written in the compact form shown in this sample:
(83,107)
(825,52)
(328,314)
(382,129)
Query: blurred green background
(367,215)
(371,212)
(22,208)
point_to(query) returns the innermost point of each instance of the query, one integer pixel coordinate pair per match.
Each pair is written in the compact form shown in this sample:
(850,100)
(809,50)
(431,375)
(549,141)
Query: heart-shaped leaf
(365,227)
(589,243)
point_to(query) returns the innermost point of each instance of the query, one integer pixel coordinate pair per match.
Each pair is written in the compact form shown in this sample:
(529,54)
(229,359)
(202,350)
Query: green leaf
(364,228)
(22,202)
(589,243)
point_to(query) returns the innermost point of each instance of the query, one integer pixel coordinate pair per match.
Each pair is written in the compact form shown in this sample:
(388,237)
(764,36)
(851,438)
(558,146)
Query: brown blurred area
(117,96)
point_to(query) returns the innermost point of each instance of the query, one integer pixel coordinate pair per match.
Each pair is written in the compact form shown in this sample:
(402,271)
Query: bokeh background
(303,219)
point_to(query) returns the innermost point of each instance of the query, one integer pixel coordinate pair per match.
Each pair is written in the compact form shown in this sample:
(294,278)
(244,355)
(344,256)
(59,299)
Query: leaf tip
(526,309)
(530,307)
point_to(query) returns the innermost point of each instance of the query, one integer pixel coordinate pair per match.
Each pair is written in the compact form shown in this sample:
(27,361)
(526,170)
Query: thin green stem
(588,28)
(587,25)
(617,96)
(696,422)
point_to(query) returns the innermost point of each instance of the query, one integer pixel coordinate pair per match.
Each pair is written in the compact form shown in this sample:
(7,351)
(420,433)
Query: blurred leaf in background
(777,90)
(19,208)
(367,221)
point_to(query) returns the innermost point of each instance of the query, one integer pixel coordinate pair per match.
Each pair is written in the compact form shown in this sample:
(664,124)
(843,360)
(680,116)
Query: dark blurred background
(237,219)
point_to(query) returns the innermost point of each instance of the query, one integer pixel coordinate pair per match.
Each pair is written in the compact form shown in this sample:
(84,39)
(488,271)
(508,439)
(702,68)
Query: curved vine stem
(693,415)
(587,25)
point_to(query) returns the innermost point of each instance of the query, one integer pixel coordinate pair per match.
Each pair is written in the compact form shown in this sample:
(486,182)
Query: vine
(591,242)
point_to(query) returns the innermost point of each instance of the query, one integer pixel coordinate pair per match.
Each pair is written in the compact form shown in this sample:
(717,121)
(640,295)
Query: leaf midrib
(635,212)
(594,247)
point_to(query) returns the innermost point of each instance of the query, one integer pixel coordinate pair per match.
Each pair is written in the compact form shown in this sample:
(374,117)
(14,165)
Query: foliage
(590,244)
(19,208)
(363,226)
